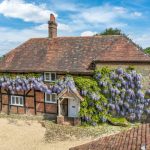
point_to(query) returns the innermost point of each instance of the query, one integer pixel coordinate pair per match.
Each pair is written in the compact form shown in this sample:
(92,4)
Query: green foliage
(111,31)
(104,71)
(86,83)
(89,108)
(118,121)
(147,50)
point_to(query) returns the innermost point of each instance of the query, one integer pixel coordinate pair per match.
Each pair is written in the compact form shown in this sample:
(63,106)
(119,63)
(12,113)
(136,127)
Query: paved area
(134,139)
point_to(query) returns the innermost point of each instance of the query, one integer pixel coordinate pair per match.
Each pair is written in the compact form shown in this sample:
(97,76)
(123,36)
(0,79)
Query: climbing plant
(113,93)
(94,107)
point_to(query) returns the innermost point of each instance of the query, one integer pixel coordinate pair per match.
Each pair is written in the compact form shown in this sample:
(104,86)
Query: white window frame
(50,77)
(47,101)
(15,104)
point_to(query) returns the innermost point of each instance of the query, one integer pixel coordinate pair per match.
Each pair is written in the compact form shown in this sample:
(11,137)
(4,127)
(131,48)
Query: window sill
(16,105)
(50,102)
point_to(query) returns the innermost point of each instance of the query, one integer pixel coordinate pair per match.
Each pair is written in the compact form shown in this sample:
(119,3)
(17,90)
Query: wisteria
(24,84)
(123,91)
(126,94)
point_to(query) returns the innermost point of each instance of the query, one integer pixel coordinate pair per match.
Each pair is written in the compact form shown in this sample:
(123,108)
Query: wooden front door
(64,107)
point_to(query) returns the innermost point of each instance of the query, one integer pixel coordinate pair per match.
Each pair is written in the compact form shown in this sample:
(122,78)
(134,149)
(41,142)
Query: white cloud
(120,10)
(12,38)
(64,27)
(105,14)
(137,14)
(41,27)
(26,11)
(61,27)
(97,15)
(142,39)
(88,33)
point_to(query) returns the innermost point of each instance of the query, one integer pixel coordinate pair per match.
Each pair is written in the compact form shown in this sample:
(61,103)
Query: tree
(147,50)
(110,31)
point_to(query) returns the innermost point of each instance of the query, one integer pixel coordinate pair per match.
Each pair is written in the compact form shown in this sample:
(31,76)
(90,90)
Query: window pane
(47,76)
(48,97)
(53,76)
(53,97)
(21,101)
(13,100)
(17,100)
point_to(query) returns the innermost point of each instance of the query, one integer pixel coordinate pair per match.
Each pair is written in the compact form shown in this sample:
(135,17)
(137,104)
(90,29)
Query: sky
(21,20)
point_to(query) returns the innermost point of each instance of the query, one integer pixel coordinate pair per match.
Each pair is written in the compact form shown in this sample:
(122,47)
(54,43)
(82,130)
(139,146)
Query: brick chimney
(52,27)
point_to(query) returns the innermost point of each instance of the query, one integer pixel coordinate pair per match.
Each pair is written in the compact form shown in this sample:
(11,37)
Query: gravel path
(23,134)
(29,135)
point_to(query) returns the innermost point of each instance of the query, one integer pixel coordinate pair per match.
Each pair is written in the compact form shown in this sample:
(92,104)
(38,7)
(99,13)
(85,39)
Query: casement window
(17,100)
(49,76)
(51,98)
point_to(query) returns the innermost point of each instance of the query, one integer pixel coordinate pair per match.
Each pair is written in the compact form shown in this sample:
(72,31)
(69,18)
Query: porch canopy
(69,94)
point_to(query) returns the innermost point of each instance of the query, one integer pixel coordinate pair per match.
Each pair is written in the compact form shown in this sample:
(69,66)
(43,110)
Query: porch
(69,107)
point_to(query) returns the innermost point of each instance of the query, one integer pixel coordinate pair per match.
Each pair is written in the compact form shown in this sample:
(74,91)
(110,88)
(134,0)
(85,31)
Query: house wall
(143,68)
(33,104)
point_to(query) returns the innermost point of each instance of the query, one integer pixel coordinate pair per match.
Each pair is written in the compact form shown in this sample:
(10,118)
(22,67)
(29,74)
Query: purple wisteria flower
(117,91)
(140,94)
(118,85)
(99,107)
(140,106)
(120,102)
(119,71)
(126,105)
(91,104)
(132,116)
(117,108)
(112,106)
(84,92)
(94,96)
(98,76)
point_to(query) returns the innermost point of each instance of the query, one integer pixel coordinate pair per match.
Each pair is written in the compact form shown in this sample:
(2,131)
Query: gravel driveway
(23,134)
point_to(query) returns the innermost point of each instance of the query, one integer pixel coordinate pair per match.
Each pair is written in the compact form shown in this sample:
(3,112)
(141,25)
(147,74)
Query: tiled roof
(133,139)
(70,54)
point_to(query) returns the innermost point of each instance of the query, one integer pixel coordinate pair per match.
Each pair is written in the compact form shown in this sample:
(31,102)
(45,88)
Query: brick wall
(144,69)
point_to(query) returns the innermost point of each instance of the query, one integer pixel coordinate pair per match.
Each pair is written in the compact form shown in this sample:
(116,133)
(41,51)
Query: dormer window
(49,76)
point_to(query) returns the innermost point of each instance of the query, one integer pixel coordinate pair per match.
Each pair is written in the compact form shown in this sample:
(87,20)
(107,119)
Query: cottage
(53,57)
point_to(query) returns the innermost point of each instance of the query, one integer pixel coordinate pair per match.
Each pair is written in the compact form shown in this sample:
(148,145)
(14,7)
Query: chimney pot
(52,17)
(52,26)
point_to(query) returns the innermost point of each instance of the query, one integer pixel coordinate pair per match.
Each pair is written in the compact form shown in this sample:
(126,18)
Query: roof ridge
(98,36)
